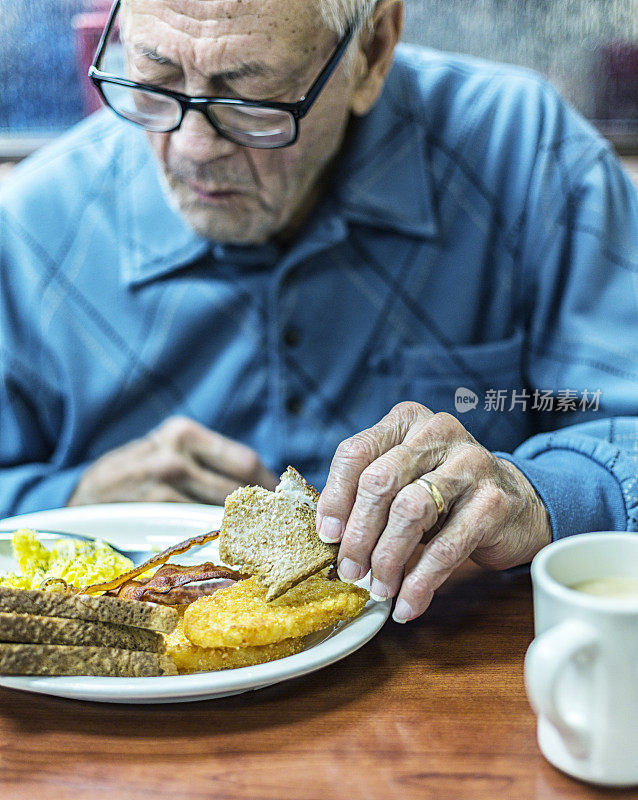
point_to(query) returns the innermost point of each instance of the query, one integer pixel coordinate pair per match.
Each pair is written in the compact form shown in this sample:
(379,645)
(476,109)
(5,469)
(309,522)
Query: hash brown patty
(239,616)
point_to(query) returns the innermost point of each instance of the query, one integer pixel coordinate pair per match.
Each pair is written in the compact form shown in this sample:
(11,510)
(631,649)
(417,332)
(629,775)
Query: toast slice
(56,659)
(34,629)
(88,607)
(273,536)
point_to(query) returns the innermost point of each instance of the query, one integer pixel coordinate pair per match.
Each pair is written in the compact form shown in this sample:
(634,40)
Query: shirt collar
(385,179)
(154,239)
(383,182)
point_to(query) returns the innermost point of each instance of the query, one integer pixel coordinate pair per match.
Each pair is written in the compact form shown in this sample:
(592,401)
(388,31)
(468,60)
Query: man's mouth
(217,194)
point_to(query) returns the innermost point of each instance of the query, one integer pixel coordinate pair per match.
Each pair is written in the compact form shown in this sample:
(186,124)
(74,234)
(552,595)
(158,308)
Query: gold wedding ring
(434,493)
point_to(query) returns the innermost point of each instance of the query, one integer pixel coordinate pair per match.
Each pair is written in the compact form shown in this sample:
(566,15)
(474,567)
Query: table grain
(435,710)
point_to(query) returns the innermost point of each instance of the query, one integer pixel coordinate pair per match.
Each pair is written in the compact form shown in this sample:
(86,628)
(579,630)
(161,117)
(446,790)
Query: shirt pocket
(481,384)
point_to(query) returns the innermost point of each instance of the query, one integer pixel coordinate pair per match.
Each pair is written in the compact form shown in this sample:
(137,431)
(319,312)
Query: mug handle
(546,659)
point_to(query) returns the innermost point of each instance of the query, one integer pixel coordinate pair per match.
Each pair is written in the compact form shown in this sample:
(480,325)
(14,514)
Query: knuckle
(411,452)
(478,459)
(408,409)
(354,453)
(494,502)
(446,551)
(385,562)
(416,585)
(356,448)
(447,424)
(377,482)
(176,430)
(483,457)
(410,506)
(169,467)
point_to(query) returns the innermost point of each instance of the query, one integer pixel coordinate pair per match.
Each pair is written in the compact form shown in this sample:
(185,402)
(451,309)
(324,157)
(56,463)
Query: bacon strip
(170,577)
(131,590)
(160,558)
(179,596)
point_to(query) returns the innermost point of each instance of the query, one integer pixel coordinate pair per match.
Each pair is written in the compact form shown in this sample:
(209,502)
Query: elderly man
(304,227)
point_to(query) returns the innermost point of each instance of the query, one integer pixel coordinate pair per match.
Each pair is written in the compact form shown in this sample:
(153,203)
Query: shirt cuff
(580,494)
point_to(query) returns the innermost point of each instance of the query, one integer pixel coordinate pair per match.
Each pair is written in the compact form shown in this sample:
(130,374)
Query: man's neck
(309,202)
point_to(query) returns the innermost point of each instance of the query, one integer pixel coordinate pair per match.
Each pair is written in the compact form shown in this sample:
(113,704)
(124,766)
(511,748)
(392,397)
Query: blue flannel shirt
(477,235)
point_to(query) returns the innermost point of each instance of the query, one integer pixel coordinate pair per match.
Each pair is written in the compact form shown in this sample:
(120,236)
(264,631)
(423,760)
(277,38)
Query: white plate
(146,525)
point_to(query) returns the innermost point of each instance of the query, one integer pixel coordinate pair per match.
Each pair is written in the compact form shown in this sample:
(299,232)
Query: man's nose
(197,140)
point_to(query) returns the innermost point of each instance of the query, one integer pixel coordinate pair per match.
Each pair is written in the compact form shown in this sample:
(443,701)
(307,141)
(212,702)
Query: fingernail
(402,612)
(378,591)
(330,530)
(348,571)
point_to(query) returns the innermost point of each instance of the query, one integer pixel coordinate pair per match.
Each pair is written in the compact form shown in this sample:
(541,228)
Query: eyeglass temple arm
(97,58)
(323,77)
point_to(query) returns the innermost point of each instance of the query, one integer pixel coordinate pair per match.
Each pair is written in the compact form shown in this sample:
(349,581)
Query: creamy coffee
(624,588)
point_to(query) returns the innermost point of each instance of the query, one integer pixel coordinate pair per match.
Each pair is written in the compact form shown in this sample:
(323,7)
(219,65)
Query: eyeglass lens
(152,111)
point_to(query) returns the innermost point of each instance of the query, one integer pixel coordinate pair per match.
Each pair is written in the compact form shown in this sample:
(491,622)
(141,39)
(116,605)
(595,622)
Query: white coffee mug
(581,670)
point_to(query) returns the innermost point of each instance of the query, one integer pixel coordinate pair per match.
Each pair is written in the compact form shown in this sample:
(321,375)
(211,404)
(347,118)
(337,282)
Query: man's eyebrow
(250,69)
(153,55)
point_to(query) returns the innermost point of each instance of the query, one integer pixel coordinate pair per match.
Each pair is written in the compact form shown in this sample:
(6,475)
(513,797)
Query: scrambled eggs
(78,563)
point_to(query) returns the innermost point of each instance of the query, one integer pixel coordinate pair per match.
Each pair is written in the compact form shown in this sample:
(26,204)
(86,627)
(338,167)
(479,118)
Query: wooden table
(434,710)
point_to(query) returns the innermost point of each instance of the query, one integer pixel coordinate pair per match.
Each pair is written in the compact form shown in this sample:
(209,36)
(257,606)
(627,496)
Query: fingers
(181,473)
(352,457)
(133,472)
(179,461)
(491,523)
(411,513)
(458,538)
(236,462)
(383,500)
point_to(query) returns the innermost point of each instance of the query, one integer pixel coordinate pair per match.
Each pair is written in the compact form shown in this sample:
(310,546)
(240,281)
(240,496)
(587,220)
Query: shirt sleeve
(32,476)
(586,475)
(29,477)
(580,295)
(37,486)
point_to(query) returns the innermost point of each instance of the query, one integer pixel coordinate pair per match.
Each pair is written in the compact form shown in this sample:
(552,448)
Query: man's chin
(227,228)
(232,220)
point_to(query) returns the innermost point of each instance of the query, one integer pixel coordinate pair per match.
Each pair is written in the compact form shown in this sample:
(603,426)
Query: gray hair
(339,14)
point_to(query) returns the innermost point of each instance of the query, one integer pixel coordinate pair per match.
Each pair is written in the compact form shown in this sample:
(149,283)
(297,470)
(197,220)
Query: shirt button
(292,337)
(293,405)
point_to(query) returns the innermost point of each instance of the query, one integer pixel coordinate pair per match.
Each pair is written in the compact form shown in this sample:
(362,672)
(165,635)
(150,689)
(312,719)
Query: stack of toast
(56,633)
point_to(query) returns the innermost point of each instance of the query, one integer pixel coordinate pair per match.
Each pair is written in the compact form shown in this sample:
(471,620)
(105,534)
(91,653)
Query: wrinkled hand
(390,525)
(180,461)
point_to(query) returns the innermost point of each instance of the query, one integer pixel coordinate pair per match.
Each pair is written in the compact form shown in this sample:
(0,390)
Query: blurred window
(46,47)
(588,49)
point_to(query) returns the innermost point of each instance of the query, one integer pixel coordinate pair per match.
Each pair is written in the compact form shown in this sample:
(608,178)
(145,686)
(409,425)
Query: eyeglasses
(251,123)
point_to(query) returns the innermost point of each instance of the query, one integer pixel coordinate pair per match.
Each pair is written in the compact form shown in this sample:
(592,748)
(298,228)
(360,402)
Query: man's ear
(376,45)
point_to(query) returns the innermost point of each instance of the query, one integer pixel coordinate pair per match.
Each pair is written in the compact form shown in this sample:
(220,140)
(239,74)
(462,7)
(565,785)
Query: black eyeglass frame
(298,109)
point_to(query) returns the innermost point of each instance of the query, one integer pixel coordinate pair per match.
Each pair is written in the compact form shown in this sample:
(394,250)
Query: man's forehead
(293,19)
